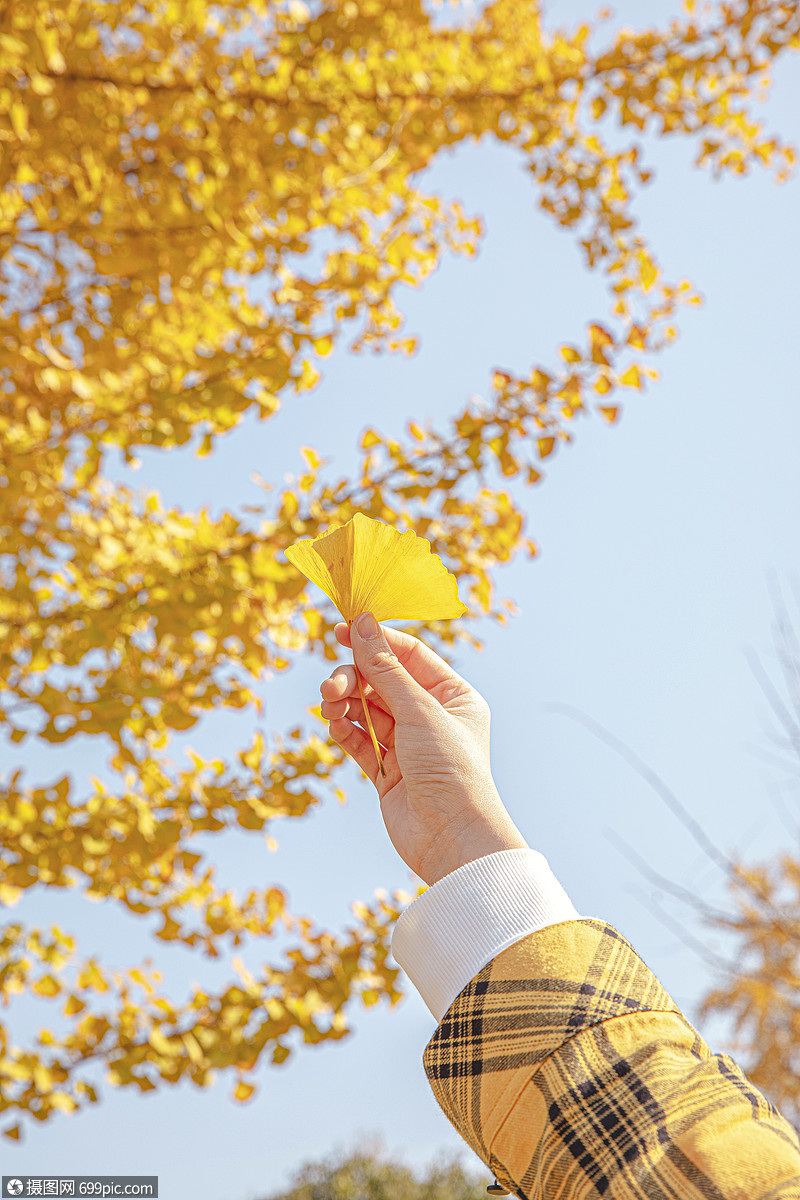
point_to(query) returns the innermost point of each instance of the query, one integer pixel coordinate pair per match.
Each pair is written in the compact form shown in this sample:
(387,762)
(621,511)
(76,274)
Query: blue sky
(658,540)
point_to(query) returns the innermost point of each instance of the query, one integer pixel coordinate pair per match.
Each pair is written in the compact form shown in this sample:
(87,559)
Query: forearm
(485,830)
(559,1056)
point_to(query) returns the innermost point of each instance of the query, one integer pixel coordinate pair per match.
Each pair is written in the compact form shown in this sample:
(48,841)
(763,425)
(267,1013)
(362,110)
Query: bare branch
(650,776)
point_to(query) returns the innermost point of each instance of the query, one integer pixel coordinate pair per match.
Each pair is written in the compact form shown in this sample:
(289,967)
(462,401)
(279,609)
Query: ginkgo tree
(169,170)
(757,978)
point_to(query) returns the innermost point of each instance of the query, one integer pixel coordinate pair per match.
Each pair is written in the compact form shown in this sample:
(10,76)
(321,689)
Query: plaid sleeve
(573,1075)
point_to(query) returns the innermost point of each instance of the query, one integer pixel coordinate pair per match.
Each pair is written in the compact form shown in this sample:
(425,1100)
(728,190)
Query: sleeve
(573,1075)
(457,926)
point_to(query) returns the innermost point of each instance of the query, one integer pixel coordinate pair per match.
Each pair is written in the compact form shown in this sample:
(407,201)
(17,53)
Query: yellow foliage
(149,183)
(632,377)
(759,987)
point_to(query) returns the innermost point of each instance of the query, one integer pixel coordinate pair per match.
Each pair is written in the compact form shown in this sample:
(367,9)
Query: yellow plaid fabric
(572,1074)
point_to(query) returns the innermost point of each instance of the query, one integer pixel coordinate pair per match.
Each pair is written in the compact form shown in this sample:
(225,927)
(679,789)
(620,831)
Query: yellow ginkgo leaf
(243,1091)
(368,566)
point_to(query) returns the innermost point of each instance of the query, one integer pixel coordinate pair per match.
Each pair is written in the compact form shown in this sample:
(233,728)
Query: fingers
(352,708)
(332,710)
(355,742)
(422,663)
(340,686)
(341,683)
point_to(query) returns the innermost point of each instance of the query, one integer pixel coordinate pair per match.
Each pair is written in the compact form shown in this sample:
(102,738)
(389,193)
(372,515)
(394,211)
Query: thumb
(382,669)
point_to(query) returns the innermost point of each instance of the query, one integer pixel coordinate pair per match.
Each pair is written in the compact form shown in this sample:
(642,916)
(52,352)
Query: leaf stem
(365,706)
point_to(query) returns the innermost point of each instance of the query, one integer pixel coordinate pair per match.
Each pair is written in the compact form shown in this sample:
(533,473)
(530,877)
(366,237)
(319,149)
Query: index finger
(422,663)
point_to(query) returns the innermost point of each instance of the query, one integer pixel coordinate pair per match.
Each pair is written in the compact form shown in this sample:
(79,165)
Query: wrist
(477,841)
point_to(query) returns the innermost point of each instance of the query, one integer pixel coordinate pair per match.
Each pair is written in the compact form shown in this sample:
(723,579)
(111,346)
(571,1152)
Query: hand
(438,799)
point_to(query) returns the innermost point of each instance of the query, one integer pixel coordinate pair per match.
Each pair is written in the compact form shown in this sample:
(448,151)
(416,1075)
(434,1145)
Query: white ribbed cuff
(466,918)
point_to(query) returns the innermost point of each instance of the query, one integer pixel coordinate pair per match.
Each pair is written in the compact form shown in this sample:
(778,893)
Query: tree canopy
(757,986)
(368,1173)
(199,203)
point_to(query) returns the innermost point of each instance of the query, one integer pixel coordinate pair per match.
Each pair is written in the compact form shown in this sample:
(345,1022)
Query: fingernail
(367,626)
